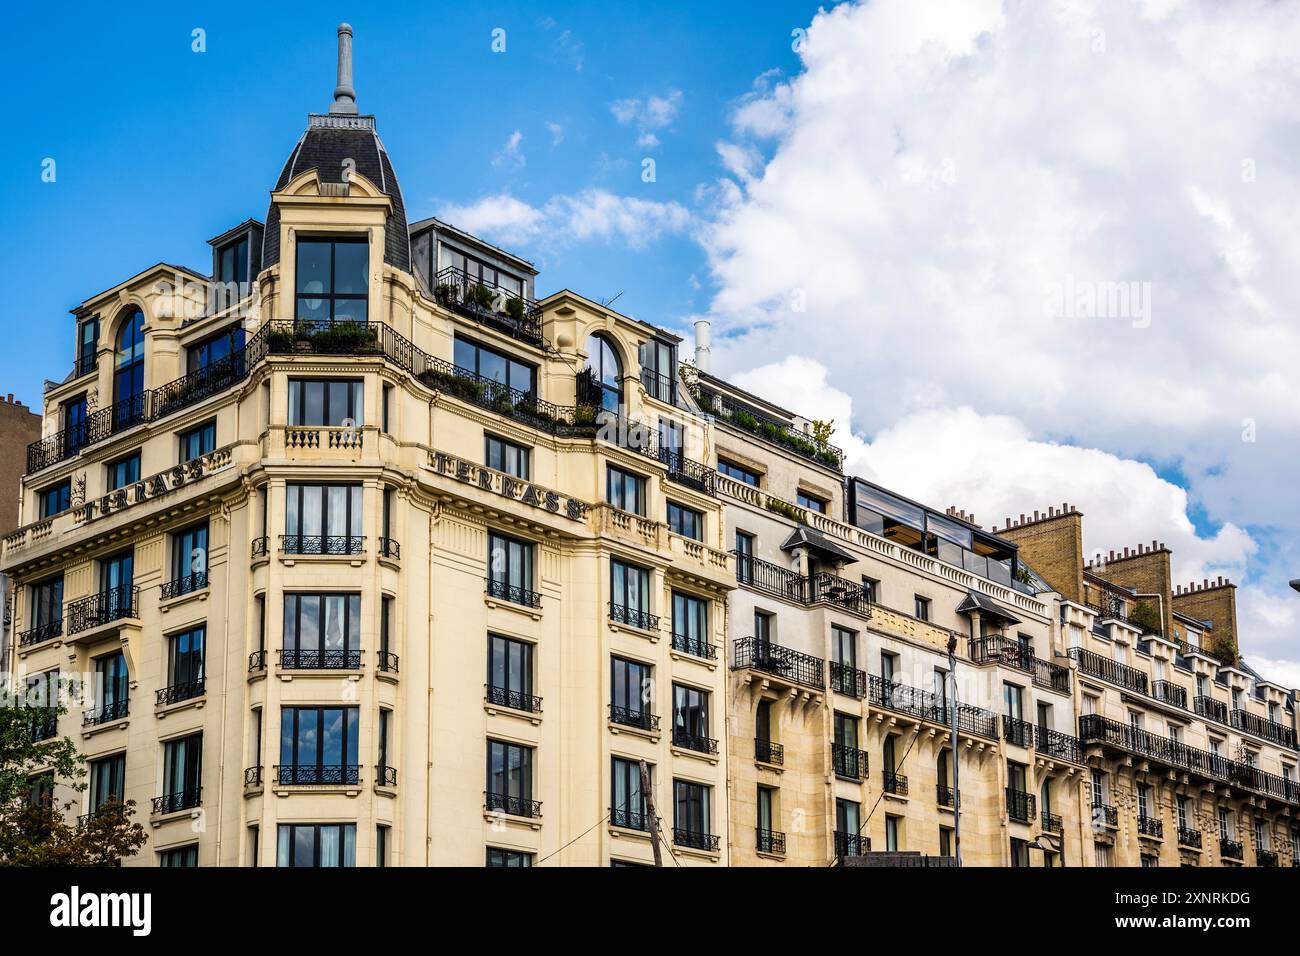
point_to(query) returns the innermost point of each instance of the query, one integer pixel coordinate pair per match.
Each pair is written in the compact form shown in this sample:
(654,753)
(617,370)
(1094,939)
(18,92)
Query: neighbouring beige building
(356,552)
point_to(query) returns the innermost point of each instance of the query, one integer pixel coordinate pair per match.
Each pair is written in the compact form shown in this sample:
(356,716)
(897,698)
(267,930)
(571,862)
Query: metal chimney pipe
(703,350)
(345,97)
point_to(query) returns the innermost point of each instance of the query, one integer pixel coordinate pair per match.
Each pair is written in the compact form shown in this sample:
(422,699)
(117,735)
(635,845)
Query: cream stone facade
(357,553)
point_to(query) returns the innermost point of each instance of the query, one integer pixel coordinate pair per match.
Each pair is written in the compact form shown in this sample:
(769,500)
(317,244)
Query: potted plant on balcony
(515,309)
(445,293)
(481,296)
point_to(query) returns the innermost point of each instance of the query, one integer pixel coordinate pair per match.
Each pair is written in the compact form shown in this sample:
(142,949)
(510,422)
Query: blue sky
(158,148)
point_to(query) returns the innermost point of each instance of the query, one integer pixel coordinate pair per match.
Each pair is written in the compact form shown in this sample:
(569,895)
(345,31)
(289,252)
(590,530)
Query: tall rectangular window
(744,557)
(629,595)
(189,561)
(331,403)
(691,625)
(844,646)
(323,519)
(56,499)
(123,472)
(692,819)
(186,856)
(107,781)
(510,673)
(198,441)
(691,719)
(215,349)
(506,456)
(87,345)
(381,844)
(182,773)
(332,280)
(74,425)
(687,522)
(631,692)
(113,694)
(318,745)
(627,803)
(47,611)
(625,491)
(316,844)
(659,370)
(322,631)
(510,778)
(510,570)
(185,677)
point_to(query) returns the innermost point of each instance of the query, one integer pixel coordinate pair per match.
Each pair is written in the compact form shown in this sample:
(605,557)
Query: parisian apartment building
(355,550)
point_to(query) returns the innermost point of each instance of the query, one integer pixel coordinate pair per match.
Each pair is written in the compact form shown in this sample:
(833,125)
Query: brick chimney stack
(1214,601)
(1051,542)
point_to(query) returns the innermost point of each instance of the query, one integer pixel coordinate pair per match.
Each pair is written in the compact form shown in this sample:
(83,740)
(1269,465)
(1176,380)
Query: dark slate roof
(805,537)
(329,140)
(979,601)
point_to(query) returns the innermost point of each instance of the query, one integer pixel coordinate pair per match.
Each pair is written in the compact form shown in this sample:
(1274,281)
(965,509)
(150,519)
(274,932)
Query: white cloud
(557,133)
(649,115)
(593,214)
(903,207)
(511,156)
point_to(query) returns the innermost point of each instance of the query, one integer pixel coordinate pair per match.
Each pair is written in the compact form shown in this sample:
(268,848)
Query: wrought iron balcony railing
(633,617)
(1206,706)
(1230,849)
(514,699)
(515,806)
(1052,822)
(1000,649)
(1167,692)
(946,796)
(629,819)
(489,304)
(1103,814)
(1265,858)
(42,723)
(1020,805)
(387,662)
(184,585)
(41,633)
(1189,837)
(768,751)
(695,647)
(849,762)
(253,776)
(260,547)
(851,844)
(770,841)
(257,661)
(769,429)
(1150,826)
(848,680)
(930,706)
(185,690)
(640,719)
(178,801)
(1053,743)
(1052,676)
(1263,727)
(821,588)
(385,776)
(515,595)
(1017,731)
(661,387)
(111,604)
(113,710)
(315,658)
(695,742)
(389,548)
(341,544)
(894,783)
(784,662)
(688,472)
(695,839)
(1121,675)
(318,775)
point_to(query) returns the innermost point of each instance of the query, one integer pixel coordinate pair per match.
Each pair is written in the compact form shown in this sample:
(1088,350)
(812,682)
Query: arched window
(603,372)
(128,371)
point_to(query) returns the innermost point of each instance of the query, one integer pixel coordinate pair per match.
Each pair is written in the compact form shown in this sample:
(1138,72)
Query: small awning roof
(979,601)
(805,537)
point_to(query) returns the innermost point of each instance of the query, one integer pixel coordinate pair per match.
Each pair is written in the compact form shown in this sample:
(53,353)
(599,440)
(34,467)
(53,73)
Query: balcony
(1052,823)
(849,762)
(387,662)
(999,649)
(176,693)
(632,617)
(851,844)
(848,680)
(114,710)
(1103,814)
(685,471)
(1051,676)
(783,662)
(315,658)
(183,585)
(695,742)
(640,719)
(1230,849)
(256,661)
(1150,827)
(1189,837)
(260,548)
(1020,805)
(767,751)
(822,588)
(334,544)
(894,783)
(629,819)
(385,776)
(695,647)
(1265,858)
(1121,675)
(178,801)
(388,548)
(489,304)
(930,706)
(515,595)
(513,699)
(253,777)
(947,796)
(781,434)
(303,441)
(770,841)
(1167,692)
(318,775)
(112,604)
(695,839)
(40,634)
(1262,727)
(1052,743)
(515,806)
(660,387)
(1018,732)
(1209,708)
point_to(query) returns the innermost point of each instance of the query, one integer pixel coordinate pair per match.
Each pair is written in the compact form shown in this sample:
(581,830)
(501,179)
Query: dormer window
(659,370)
(332,280)
(87,345)
(230,274)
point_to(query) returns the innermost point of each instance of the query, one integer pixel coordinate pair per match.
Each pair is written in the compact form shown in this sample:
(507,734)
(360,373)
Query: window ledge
(510,819)
(352,560)
(496,710)
(773,767)
(650,735)
(711,664)
(120,724)
(533,612)
(30,649)
(696,754)
(651,636)
(194,703)
(713,856)
(288,674)
(199,595)
(190,813)
(629,833)
(778,857)
(349,790)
